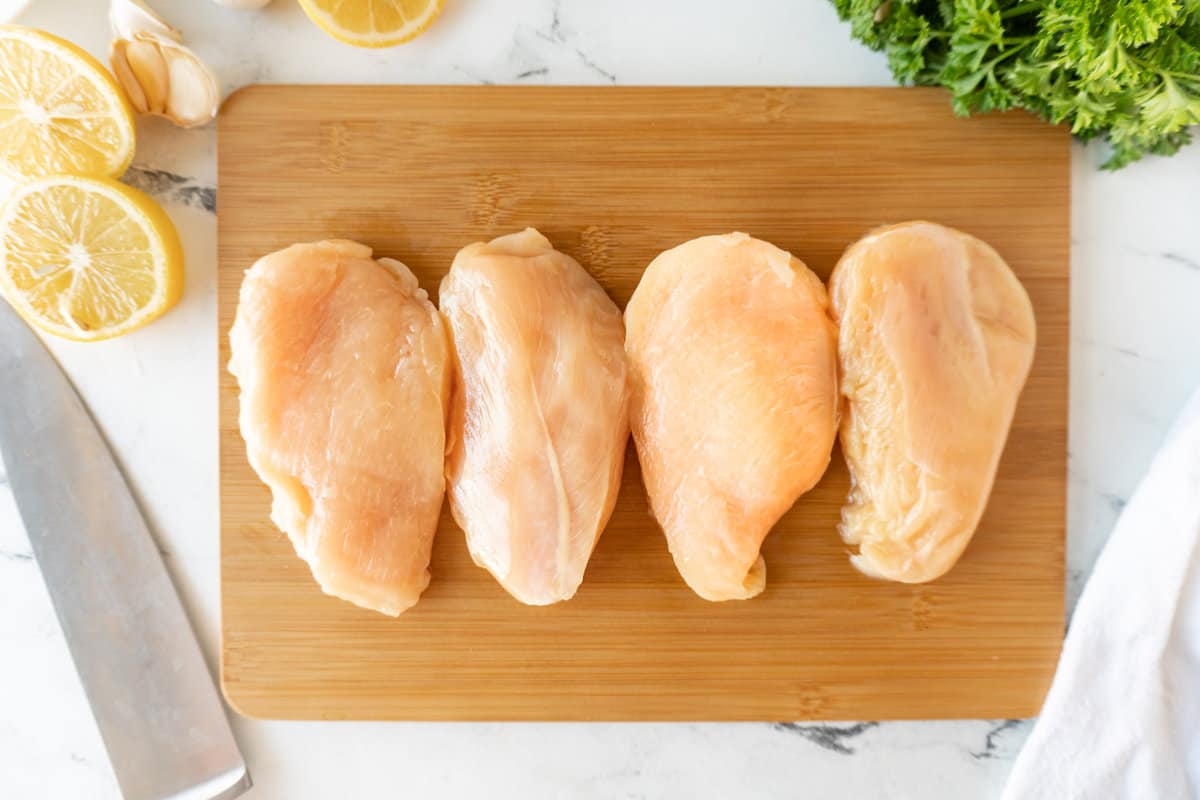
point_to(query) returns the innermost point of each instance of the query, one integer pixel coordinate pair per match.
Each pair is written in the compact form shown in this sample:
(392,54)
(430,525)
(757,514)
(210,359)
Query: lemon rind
(410,31)
(164,247)
(95,72)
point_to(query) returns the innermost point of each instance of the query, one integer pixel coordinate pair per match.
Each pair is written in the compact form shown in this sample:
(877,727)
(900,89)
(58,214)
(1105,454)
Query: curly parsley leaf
(1127,71)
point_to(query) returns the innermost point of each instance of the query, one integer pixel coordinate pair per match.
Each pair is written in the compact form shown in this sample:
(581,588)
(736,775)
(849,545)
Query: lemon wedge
(372,23)
(60,110)
(88,258)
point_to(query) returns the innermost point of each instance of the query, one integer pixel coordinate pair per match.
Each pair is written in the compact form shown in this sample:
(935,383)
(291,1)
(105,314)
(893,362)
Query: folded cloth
(1122,719)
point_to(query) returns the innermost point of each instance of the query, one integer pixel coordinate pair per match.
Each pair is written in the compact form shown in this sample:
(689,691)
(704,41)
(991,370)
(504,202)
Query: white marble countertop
(1135,355)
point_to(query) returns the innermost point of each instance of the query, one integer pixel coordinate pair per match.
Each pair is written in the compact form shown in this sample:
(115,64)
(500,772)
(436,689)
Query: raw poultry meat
(343,365)
(936,339)
(733,374)
(538,420)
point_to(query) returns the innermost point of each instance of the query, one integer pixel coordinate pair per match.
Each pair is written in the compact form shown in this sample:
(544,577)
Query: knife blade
(143,672)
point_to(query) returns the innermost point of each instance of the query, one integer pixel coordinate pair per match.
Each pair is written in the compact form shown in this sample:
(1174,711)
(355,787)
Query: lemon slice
(60,110)
(88,258)
(372,23)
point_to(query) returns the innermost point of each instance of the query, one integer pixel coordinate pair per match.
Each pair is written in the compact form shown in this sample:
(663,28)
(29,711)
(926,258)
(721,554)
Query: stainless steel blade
(154,700)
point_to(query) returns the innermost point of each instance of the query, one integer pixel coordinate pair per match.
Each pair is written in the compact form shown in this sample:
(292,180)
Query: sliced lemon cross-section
(60,110)
(88,258)
(372,23)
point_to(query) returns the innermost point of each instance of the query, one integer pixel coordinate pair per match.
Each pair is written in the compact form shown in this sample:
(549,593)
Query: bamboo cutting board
(613,176)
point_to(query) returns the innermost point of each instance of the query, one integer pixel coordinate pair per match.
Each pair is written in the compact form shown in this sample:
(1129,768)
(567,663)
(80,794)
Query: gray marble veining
(168,187)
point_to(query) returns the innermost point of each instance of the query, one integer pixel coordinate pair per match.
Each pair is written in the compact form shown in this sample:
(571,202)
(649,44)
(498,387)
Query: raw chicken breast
(539,418)
(344,369)
(733,373)
(936,340)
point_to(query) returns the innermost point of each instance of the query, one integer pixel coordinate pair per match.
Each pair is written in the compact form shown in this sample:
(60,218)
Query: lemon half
(372,23)
(88,258)
(60,110)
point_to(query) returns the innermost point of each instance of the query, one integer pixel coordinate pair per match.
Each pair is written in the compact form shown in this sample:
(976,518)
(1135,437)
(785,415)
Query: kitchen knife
(158,711)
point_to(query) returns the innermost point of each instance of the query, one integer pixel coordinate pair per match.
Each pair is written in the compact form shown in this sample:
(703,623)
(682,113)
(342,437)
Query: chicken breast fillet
(733,373)
(344,369)
(936,340)
(539,417)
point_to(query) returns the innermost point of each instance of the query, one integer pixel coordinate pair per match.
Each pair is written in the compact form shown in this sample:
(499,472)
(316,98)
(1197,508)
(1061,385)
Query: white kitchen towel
(1122,719)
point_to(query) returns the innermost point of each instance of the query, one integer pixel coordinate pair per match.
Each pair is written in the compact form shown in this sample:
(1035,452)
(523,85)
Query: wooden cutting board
(613,176)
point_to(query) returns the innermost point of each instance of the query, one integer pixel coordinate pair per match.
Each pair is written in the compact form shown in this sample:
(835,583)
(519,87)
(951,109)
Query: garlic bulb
(131,17)
(158,73)
(163,77)
(247,4)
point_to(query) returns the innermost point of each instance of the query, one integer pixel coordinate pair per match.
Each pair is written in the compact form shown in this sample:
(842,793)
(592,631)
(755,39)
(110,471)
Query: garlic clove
(149,70)
(193,94)
(119,60)
(128,18)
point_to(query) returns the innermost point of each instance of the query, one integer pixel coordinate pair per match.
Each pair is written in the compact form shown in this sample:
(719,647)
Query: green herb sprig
(1125,70)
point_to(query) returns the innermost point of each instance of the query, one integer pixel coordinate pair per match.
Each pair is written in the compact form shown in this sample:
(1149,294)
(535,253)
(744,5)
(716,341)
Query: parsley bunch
(1127,70)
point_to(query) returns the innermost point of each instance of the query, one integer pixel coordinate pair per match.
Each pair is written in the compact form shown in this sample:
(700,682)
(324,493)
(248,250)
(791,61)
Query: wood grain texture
(613,176)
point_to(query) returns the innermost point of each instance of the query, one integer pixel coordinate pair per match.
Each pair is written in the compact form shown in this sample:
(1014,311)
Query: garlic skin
(131,17)
(250,5)
(164,78)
